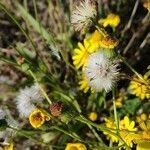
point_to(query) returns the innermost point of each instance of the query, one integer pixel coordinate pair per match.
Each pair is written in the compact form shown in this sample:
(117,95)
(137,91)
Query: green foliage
(3,124)
(130,107)
(50,33)
(41,30)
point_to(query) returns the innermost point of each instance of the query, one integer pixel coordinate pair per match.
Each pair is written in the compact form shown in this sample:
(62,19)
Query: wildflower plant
(67,79)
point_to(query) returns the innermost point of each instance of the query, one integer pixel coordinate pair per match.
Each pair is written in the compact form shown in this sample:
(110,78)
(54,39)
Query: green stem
(68,133)
(115,110)
(23,133)
(96,135)
(101,128)
(131,68)
(42,90)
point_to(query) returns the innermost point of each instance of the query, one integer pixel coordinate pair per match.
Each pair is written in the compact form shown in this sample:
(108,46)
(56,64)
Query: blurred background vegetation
(40,31)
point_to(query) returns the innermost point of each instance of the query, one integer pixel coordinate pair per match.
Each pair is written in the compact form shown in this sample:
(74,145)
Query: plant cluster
(73,87)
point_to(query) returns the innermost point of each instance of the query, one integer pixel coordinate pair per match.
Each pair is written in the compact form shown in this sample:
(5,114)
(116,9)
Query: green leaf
(25,67)
(130,107)
(41,30)
(25,52)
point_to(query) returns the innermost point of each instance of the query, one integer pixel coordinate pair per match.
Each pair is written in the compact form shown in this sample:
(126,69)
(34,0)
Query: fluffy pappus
(101,72)
(27,99)
(83,15)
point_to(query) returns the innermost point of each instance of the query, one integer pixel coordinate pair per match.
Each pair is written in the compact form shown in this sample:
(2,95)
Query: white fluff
(83,15)
(27,98)
(5,80)
(2,114)
(101,72)
(5,114)
(6,135)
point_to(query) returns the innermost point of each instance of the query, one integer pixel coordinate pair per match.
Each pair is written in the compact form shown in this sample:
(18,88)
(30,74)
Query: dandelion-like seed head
(27,98)
(83,15)
(101,72)
(2,114)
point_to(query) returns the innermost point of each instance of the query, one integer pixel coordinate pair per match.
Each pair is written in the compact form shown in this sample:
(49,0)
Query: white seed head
(6,80)
(83,15)
(27,98)
(6,135)
(5,114)
(101,72)
(2,114)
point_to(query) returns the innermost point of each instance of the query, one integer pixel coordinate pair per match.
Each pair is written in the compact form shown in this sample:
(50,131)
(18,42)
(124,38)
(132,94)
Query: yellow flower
(102,40)
(111,125)
(93,116)
(127,124)
(112,19)
(139,88)
(141,118)
(9,147)
(99,39)
(143,145)
(128,137)
(82,53)
(108,42)
(38,117)
(146,4)
(75,146)
(119,102)
(125,128)
(142,138)
(96,37)
(84,86)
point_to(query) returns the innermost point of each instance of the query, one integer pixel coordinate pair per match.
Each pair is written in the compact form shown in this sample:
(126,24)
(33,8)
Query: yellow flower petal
(139,88)
(38,117)
(75,146)
(143,145)
(112,19)
(9,147)
(93,116)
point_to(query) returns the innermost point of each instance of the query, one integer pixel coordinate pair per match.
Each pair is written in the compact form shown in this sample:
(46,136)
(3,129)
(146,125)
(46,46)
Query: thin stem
(68,133)
(131,68)
(130,42)
(23,133)
(115,110)
(101,128)
(42,90)
(131,17)
(96,135)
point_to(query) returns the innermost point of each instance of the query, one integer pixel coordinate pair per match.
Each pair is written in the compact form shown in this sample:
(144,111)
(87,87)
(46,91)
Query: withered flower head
(56,109)
(83,15)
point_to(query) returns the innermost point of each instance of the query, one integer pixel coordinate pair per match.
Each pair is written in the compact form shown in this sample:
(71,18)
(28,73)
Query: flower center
(37,117)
